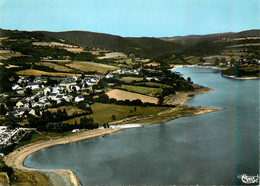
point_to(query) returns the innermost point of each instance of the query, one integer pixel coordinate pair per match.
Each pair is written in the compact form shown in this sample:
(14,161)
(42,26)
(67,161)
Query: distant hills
(144,47)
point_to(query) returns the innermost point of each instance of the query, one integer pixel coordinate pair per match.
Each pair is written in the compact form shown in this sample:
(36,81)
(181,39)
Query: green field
(91,66)
(101,114)
(130,79)
(142,90)
(153,84)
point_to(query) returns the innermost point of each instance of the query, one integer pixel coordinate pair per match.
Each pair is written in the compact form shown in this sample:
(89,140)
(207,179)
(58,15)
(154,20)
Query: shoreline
(17,157)
(60,177)
(241,78)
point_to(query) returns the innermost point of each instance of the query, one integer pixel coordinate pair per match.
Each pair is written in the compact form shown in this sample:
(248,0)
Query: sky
(132,18)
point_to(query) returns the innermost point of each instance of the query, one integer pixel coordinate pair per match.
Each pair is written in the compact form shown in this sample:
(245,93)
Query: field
(75,50)
(113,55)
(129,79)
(57,67)
(71,48)
(69,109)
(5,54)
(153,84)
(154,64)
(123,95)
(91,66)
(142,90)
(39,73)
(101,115)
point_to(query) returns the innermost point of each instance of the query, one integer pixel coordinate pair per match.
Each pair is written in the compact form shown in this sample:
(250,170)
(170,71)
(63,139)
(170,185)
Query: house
(75,130)
(79,98)
(47,89)
(67,98)
(20,91)
(16,87)
(33,85)
(109,76)
(20,112)
(71,88)
(22,80)
(40,80)
(58,97)
(91,80)
(52,96)
(67,82)
(22,103)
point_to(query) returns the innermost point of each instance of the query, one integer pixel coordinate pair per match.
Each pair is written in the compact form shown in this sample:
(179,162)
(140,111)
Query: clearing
(123,95)
(154,84)
(113,55)
(142,90)
(91,66)
(69,109)
(129,79)
(100,114)
(29,72)
(57,67)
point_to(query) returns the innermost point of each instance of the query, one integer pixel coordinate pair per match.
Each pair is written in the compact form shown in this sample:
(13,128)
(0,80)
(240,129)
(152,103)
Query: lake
(212,148)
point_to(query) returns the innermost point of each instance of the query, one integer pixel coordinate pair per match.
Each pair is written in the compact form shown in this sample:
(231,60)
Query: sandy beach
(68,177)
(181,97)
(56,177)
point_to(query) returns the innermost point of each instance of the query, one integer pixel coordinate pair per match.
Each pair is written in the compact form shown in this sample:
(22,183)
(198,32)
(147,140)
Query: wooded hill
(149,47)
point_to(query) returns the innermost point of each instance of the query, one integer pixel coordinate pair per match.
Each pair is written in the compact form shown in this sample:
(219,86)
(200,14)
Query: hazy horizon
(128,36)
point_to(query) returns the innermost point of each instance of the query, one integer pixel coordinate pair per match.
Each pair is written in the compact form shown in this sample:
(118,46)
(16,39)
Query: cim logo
(249,179)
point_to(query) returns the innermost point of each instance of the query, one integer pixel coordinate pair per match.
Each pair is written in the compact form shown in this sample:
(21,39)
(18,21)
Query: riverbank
(55,177)
(240,78)
(181,97)
(68,177)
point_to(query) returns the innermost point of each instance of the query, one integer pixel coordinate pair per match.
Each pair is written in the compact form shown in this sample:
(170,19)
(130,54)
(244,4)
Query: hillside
(149,47)
(143,47)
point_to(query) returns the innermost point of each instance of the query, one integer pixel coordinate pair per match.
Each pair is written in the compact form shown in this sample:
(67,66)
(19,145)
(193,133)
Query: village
(81,85)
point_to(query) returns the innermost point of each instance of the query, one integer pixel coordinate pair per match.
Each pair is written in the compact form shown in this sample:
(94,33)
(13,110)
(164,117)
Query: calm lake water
(213,148)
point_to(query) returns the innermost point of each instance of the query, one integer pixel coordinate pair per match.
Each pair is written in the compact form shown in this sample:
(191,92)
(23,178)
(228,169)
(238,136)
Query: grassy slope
(129,79)
(69,109)
(100,114)
(142,90)
(57,67)
(154,84)
(91,66)
(39,73)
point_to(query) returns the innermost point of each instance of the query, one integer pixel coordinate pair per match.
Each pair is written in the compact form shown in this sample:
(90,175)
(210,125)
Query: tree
(113,117)
(216,61)
(87,123)
(103,98)
(3,110)
(28,91)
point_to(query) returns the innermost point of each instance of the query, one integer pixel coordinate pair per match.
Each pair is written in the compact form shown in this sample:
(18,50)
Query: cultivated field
(5,54)
(123,95)
(39,73)
(129,79)
(154,64)
(71,48)
(154,84)
(101,115)
(91,66)
(69,109)
(52,44)
(142,90)
(57,67)
(75,50)
(113,55)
